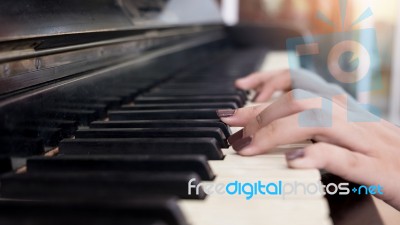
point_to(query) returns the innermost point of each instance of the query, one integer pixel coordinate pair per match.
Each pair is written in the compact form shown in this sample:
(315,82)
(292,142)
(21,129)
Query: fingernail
(242,143)
(298,153)
(236,136)
(223,113)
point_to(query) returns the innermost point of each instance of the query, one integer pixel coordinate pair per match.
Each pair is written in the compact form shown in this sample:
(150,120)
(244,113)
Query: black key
(97,185)
(200,78)
(210,132)
(84,117)
(162,124)
(137,211)
(101,109)
(187,93)
(137,81)
(216,105)
(50,136)
(140,163)
(204,99)
(177,114)
(179,88)
(68,127)
(143,146)
(20,146)
(173,85)
(111,102)
(209,89)
(125,95)
(135,84)
(5,164)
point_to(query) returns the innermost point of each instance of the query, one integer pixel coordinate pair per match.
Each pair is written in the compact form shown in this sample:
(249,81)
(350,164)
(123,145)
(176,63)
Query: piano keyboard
(126,154)
(236,210)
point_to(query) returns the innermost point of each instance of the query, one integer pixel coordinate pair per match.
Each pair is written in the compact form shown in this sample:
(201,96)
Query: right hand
(362,152)
(266,83)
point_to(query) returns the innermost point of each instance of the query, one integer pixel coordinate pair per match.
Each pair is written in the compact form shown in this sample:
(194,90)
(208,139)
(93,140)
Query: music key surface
(136,146)
(163,124)
(134,167)
(123,163)
(110,102)
(84,117)
(141,210)
(100,109)
(21,146)
(68,127)
(190,99)
(97,185)
(212,105)
(194,92)
(210,132)
(164,114)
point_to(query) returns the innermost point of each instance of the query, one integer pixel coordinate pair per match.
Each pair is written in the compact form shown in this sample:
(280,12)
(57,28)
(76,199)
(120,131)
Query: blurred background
(306,16)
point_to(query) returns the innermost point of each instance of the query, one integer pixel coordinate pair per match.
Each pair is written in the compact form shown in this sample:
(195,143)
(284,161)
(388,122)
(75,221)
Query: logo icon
(347,57)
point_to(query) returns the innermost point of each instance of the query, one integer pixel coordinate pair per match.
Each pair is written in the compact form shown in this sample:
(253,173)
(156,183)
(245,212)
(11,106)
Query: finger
(352,166)
(264,93)
(315,124)
(278,132)
(240,117)
(251,81)
(280,82)
(284,106)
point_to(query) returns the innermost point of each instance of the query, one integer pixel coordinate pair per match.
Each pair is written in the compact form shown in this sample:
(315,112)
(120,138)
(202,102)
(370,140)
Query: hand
(266,83)
(362,152)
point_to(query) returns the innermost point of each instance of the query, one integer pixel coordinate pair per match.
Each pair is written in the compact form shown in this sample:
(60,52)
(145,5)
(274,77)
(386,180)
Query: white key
(236,211)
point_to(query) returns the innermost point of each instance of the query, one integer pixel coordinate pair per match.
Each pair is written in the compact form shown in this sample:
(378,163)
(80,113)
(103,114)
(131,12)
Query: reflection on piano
(108,109)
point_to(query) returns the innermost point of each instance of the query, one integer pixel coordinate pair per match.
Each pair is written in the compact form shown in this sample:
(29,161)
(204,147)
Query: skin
(366,153)
(266,84)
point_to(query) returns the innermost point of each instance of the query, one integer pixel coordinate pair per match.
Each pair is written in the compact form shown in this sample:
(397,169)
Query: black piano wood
(143,146)
(140,163)
(210,132)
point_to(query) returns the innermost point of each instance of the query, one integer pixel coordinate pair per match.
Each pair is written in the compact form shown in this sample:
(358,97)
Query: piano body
(108,110)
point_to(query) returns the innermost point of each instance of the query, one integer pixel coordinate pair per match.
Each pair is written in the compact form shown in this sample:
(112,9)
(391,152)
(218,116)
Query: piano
(108,113)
